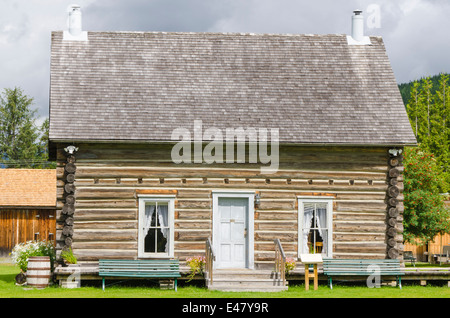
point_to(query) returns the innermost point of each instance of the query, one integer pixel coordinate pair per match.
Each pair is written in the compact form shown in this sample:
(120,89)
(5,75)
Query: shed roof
(139,86)
(27,188)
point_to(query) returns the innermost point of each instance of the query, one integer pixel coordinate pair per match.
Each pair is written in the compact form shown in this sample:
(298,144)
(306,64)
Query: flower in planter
(289,265)
(22,251)
(68,256)
(196,265)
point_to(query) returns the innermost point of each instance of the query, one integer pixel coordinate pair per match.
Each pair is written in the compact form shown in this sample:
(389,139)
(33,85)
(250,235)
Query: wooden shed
(330,181)
(27,206)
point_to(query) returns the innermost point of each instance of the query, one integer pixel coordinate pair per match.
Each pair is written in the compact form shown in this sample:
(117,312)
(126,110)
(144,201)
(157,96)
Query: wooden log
(105,225)
(360,248)
(70,168)
(71,159)
(393,191)
(193,215)
(68,241)
(68,221)
(360,227)
(182,204)
(70,199)
(111,193)
(67,230)
(69,188)
(96,254)
(275,226)
(393,212)
(391,242)
(393,162)
(192,225)
(194,194)
(277,205)
(106,214)
(393,181)
(110,203)
(392,222)
(392,201)
(130,245)
(356,216)
(359,237)
(360,206)
(393,253)
(391,232)
(270,236)
(70,178)
(68,209)
(273,215)
(394,173)
(90,235)
(192,235)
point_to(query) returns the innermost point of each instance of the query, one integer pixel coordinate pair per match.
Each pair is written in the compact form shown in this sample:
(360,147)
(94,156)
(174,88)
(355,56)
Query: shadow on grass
(8,273)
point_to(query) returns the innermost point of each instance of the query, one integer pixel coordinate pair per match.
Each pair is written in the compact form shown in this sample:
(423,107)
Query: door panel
(233,215)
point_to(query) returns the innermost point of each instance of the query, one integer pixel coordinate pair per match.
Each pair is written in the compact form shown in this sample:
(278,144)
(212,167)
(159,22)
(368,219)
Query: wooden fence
(21,225)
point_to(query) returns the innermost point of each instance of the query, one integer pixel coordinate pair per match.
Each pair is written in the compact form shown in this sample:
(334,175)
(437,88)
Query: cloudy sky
(415,32)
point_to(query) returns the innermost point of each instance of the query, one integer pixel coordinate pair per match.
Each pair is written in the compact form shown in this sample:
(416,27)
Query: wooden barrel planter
(38,271)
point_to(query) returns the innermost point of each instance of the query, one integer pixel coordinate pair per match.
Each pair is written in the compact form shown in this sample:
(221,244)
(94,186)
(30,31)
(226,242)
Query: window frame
(301,211)
(143,201)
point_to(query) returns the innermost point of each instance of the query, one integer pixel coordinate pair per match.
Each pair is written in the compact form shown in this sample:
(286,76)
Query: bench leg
(330,282)
(399,279)
(103,283)
(176,285)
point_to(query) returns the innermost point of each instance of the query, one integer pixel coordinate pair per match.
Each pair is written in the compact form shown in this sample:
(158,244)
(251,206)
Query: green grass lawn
(8,289)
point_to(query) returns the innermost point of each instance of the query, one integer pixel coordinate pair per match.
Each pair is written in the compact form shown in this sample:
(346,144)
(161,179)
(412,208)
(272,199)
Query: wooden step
(246,280)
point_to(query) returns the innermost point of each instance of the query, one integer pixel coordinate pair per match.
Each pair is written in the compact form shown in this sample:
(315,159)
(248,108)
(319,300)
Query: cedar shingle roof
(141,85)
(27,188)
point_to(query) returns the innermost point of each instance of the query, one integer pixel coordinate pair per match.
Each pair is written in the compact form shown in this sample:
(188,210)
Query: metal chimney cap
(73,6)
(357,12)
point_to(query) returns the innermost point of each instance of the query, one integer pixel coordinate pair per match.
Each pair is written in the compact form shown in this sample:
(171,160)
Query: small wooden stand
(311,259)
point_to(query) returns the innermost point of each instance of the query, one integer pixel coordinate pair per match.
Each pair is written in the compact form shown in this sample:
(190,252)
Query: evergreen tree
(21,142)
(428,108)
(413,107)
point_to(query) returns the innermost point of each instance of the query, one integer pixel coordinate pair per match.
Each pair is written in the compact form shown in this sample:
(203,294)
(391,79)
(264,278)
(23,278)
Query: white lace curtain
(163,220)
(319,212)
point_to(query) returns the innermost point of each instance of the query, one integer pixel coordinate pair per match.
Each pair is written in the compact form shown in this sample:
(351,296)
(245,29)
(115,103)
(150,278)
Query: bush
(22,251)
(425,215)
(68,256)
(196,264)
(289,265)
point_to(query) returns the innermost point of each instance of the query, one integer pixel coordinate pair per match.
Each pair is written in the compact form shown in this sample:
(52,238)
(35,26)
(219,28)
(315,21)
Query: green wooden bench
(154,268)
(362,267)
(408,256)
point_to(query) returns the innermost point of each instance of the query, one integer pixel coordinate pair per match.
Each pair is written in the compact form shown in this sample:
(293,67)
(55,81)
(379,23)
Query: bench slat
(159,268)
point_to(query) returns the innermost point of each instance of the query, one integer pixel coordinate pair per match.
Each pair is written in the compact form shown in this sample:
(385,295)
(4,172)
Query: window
(156,226)
(315,226)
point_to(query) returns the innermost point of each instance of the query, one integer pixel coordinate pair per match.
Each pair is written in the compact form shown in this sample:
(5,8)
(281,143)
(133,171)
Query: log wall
(108,177)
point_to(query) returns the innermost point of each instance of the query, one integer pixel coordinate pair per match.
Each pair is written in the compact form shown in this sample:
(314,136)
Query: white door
(232,236)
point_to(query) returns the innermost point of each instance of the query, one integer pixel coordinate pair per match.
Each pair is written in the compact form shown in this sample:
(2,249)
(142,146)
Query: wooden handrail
(210,257)
(280,260)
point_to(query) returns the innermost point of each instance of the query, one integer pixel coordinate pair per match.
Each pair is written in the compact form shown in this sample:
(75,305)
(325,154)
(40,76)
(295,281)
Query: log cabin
(167,139)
